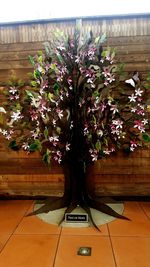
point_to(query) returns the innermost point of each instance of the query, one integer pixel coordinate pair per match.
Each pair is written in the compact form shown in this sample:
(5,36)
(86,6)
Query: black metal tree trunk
(76,191)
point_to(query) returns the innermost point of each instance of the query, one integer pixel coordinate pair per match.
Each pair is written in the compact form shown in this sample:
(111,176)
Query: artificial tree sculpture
(78,110)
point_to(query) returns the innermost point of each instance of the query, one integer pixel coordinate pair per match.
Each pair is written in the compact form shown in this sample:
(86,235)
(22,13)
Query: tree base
(54,217)
(56,203)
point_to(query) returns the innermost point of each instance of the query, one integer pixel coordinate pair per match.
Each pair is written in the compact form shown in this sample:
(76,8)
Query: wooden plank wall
(119,175)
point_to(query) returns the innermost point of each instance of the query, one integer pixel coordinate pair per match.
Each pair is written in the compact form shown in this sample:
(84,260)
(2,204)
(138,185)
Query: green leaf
(40,53)
(127,150)
(94,119)
(58,130)
(148,77)
(34,147)
(1,118)
(46,133)
(106,141)
(28,93)
(47,157)
(98,145)
(33,83)
(21,82)
(89,137)
(36,74)
(146,137)
(40,59)
(104,53)
(101,153)
(95,94)
(56,86)
(95,67)
(53,67)
(103,38)
(31,59)
(13,145)
(97,39)
(47,51)
(50,96)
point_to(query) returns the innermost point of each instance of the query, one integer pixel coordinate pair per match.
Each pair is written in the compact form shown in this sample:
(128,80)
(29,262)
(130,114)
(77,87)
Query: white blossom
(132,98)
(138,92)
(2,110)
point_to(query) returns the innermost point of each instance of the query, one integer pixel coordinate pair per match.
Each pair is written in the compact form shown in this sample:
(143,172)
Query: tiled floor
(30,242)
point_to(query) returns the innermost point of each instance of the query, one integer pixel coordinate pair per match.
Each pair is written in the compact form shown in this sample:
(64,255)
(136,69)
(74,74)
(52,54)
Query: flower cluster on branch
(79,99)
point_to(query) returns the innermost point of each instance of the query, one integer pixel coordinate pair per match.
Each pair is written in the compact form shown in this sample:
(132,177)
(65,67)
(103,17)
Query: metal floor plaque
(76,218)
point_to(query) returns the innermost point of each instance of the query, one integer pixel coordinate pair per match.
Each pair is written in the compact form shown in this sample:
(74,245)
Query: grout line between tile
(14,229)
(57,248)
(113,252)
(144,211)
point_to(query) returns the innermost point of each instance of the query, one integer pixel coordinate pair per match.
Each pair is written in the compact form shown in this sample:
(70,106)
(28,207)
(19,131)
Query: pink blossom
(111,78)
(25,146)
(35,133)
(107,151)
(102,107)
(106,83)
(88,110)
(145,121)
(86,131)
(89,80)
(139,125)
(53,139)
(71,124)
(77,60)
(114,109)
(67,147)
(140,112)
(4,132)
(54,122)
(69,80)
(133,145)
(133,110)
(106,72)
(95,126)
(115,131)
(60,113)
(61,48)
(34,115)
(108,58)
(118,123)
(81,103)
(16,115)
(13,90)
(100,133)
(91,53)
(94,154)
(102,60)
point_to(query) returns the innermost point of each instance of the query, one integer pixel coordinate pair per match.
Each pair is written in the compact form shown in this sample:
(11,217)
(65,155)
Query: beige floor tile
(34,225)
(29,251)
(69,245)
(11,213)
(138,226)
(131,251)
